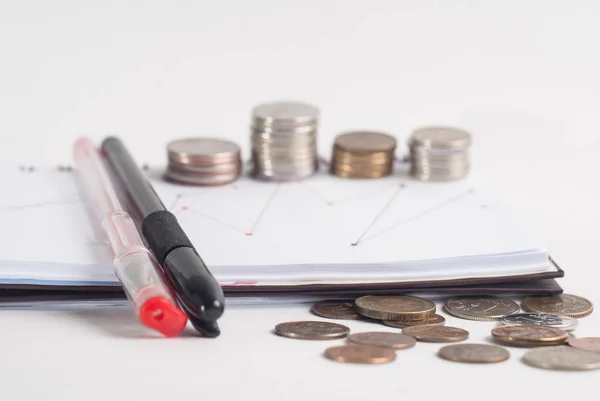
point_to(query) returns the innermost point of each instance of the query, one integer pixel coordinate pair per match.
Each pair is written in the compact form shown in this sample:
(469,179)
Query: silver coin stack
(284,141)
(439,154)
(203,161)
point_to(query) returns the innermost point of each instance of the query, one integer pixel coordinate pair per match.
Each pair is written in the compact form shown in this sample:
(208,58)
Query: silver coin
(439,154)
(224,168)
(212,180)
(481,308)
(204,147)
(562,357)
(285,112)
(542,319)
(441,137)
(283,139)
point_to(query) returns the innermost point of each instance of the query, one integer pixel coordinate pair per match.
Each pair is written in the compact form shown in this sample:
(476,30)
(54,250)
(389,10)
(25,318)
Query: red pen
(135,266)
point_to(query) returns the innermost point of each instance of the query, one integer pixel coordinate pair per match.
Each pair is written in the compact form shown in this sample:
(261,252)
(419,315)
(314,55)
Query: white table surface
(521,76)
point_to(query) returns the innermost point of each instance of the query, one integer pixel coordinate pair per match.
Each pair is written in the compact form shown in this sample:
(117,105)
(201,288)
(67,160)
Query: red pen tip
(160,314)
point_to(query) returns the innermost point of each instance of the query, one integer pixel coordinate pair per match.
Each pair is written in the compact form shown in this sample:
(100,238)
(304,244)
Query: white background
(522,76)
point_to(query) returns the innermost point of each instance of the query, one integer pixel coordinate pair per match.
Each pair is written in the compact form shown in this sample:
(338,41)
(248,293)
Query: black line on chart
(419,215)
(177,197)
(381,212)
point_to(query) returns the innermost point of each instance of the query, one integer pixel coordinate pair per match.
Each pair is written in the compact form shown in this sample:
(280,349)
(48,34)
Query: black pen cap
(199,293)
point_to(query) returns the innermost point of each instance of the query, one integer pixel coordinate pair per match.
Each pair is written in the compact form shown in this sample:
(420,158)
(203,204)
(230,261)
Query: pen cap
(143,285)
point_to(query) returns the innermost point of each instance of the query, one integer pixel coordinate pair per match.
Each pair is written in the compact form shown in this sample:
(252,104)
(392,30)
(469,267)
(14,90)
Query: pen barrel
(136,268)
(122,233)
(198,292)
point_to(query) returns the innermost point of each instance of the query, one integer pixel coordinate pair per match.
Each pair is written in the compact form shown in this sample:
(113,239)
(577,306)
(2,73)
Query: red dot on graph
(184,208)
(249,234)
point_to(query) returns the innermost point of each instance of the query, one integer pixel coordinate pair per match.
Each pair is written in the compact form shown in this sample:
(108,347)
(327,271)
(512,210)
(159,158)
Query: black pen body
(197,291)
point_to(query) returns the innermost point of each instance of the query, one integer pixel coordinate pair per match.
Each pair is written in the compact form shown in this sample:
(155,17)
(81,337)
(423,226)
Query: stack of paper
(325,233)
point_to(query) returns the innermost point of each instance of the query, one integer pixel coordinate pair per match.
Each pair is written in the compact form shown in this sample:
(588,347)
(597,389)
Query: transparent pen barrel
(135,266)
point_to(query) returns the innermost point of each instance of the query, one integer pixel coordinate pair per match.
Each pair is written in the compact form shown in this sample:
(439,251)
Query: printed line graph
(52,202)
(380,213)
(366,234)
(423,213)
(249,232)
(379,197)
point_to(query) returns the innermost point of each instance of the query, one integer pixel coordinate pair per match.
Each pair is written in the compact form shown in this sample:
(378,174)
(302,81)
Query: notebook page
(322,224)
(332,221)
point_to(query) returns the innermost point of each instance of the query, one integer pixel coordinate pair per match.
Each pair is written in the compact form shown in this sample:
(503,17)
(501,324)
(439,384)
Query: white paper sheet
(324,228)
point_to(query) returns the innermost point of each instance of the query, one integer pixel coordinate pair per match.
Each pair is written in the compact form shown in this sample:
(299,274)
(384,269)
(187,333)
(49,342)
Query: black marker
(200,295)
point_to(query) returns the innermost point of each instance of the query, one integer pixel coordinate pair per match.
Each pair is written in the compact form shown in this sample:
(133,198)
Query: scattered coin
(405,308)
(474,353)
(383,339)
(562,358)
(363,154)
(481,308)
(435,320)
(438,334)
(586,343)
(312,330)
(439,153)
(203,161)
(562,304)
(541,319)
(529,335)
(354,353)
(335,310)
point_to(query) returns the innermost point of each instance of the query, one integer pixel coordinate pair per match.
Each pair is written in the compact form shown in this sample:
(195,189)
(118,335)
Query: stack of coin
(284,141)
(203,161)
(363,155)
(439,154)
(399,311)
(529,335)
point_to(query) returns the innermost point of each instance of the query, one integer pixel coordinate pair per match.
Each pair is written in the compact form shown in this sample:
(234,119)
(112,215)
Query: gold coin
(312,330)
(354,353)
(435,320)
(382,339)
(405,308)
(365,142)
(474,353)
(529,335)
(363,155)
(562,304)
(436,334)
(335,310)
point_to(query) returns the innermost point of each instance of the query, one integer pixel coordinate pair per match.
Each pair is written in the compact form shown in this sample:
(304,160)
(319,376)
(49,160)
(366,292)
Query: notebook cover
(532,287)
(528,285)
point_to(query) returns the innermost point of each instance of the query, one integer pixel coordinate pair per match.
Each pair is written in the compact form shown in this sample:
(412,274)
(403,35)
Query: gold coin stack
(203,161)
(363,155)
(399,310)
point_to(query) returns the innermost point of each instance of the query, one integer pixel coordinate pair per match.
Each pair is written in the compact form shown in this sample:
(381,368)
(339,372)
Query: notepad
(324,229)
